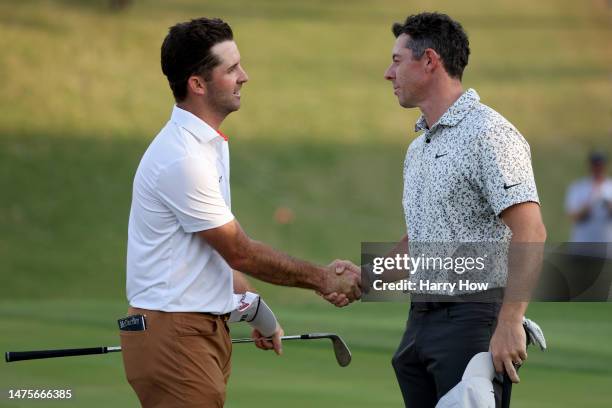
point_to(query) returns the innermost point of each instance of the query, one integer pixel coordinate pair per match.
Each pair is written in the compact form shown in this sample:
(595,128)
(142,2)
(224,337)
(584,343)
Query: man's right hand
(342,283)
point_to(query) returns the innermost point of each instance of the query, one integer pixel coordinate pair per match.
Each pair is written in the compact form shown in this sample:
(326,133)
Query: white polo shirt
(181,187)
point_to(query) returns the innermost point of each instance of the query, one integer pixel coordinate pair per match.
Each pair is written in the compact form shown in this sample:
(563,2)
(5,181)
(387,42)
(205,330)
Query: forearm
(264,262)
(392,275)
(241,283)
(524,265)
(400,249)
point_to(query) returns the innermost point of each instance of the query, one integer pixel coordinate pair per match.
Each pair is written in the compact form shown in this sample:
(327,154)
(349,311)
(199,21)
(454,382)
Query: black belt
(224,316)
(425,302)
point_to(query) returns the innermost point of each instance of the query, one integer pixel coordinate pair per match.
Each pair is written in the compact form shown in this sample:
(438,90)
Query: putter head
(341,350)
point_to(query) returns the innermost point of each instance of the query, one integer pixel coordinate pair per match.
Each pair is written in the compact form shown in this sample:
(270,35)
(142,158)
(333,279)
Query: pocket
(194,324)
(473,313)
(131,333)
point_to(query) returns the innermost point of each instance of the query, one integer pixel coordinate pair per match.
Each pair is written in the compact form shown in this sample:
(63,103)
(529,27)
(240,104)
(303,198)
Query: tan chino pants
(182,360)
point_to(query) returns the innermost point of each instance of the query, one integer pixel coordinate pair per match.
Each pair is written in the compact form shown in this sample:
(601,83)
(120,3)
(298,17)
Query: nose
(390,73)
(243,76)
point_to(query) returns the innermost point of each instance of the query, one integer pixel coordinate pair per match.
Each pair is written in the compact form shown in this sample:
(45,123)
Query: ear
(196,85)
(431,60)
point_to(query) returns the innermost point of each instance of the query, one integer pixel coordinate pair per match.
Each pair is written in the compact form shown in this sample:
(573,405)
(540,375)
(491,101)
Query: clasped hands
(342,285)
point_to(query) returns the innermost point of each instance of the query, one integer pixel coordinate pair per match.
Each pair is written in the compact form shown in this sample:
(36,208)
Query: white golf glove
(534,333)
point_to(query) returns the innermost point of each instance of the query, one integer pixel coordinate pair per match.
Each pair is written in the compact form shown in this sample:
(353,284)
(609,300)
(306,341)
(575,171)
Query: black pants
(439,341)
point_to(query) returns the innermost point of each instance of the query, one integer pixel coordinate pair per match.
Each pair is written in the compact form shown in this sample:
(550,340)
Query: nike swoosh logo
(440,155)
(506,186)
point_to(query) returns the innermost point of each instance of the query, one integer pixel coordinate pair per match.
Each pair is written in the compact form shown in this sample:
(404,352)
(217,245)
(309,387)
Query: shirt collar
(194,125)
(455,113)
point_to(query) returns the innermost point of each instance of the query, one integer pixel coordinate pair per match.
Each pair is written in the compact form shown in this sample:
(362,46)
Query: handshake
(342,283)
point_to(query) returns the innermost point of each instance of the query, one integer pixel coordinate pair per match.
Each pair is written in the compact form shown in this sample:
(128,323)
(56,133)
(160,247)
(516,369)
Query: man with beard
(184,244)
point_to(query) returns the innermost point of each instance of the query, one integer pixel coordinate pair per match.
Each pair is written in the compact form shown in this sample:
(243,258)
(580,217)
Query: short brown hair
(186,51)
(440,33)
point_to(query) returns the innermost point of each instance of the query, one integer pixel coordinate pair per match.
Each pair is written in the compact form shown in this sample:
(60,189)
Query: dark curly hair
(186,51)
(440,33)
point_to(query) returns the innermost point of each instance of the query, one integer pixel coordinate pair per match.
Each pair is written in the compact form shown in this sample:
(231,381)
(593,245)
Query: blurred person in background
(589,203)
(584,269)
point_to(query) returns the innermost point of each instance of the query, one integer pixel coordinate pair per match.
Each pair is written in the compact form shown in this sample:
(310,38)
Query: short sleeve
(506,172)
(190,188)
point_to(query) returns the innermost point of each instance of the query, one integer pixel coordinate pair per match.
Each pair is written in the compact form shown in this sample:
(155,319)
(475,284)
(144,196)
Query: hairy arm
(264,262)
(241,283)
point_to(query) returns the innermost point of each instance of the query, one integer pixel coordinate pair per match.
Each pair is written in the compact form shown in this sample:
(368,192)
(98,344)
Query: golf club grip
(11,356)
(506,391)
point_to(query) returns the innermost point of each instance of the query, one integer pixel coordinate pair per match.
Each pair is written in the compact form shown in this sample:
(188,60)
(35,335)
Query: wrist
(510,317)
(367,276)
(323,283)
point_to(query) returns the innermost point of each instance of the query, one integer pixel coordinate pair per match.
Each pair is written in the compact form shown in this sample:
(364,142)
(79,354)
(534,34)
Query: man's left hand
(266,343)
(509,348)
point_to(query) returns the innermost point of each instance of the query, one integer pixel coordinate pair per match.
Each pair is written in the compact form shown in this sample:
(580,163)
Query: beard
(222,100)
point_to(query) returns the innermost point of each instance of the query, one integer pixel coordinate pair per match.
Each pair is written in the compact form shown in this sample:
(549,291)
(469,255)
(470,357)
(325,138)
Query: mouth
(395,90)
(237,93)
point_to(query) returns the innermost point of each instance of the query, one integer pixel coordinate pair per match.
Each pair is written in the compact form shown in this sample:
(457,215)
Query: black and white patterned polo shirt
(459,176)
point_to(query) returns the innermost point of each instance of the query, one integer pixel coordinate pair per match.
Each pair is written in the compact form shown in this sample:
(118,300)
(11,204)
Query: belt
(224,317)
(422,302)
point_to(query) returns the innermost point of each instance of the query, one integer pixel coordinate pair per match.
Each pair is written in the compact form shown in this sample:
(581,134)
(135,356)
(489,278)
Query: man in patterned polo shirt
(467,178)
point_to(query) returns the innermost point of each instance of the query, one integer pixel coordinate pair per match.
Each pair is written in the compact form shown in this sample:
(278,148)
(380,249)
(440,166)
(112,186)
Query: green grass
(319,132)
(575,369)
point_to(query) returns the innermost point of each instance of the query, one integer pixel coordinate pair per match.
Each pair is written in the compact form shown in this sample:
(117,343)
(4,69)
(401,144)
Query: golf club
(341,350)
(534,336)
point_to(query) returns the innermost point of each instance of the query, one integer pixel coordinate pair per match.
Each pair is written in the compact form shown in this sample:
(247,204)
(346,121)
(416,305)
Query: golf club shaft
(11,356)
(296,337)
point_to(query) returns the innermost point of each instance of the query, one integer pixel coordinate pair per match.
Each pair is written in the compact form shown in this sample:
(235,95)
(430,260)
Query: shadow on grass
(66,199)
(65,205)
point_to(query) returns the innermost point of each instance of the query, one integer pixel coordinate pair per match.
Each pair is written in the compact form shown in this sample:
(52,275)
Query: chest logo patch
(508,186)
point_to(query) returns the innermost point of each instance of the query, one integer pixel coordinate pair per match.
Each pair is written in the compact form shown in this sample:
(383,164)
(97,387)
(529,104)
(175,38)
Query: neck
(442,95)
(202,111)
